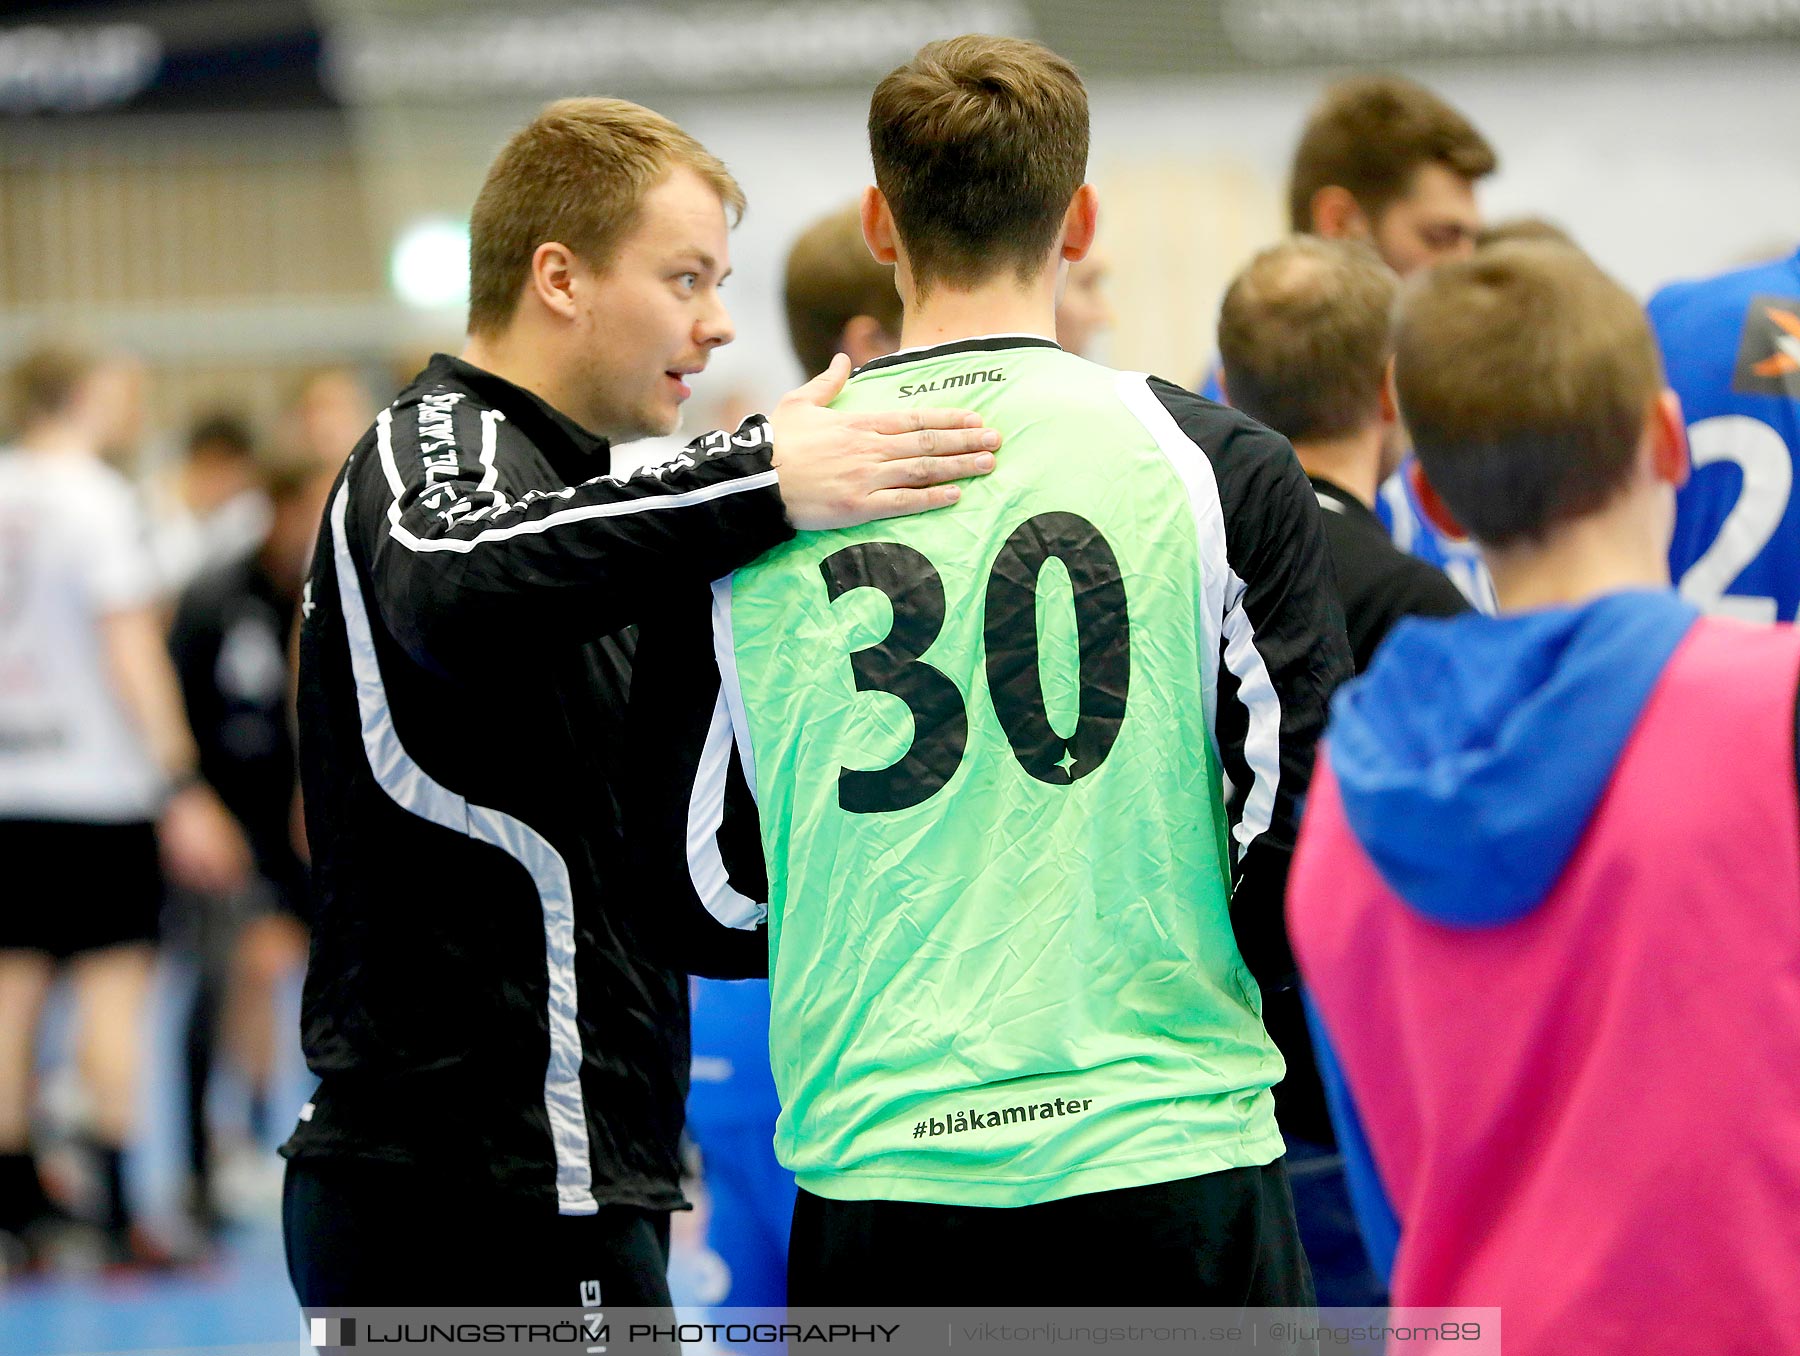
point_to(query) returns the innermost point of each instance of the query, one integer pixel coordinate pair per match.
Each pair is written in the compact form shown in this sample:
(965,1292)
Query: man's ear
(1080,223)
(865,340)
(554,267)
(1667,432)
(1435,508)
(1390,396)
(1337,215)
(878,226)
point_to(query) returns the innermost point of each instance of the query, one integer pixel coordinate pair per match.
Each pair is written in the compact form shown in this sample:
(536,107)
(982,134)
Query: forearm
(451,563)
(144,679)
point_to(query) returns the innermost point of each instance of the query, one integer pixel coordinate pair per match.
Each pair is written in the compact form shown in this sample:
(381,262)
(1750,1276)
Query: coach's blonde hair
(576,175)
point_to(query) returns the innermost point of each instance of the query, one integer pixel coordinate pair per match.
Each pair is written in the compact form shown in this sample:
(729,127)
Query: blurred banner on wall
(170,55)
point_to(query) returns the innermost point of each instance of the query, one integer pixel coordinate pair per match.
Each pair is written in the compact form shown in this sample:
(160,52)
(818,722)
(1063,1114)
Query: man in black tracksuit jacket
(503,1066)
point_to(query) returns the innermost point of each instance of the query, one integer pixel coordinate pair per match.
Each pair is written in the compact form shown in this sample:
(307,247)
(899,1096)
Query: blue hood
(1472,753)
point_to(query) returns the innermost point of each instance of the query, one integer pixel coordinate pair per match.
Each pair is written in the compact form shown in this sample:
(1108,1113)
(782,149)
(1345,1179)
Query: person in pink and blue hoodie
(1546,899)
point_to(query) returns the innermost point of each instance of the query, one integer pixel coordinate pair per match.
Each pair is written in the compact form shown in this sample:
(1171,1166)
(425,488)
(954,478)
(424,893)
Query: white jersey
(73,548)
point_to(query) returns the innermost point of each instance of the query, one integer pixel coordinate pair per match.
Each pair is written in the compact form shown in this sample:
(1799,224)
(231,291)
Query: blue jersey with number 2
(1731,346)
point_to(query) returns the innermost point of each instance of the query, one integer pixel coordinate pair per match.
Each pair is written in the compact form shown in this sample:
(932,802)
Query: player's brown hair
(1541,229)
(831,279)
(1526,377)
(577,174)
(1304,337)
(1370,135)
(979,144)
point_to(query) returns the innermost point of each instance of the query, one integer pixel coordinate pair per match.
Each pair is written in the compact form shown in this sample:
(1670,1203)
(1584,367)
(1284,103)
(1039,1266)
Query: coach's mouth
(679,376)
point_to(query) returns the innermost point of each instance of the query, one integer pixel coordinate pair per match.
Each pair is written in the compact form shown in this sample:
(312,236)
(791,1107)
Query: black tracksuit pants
(372,1234)
(1224,1239)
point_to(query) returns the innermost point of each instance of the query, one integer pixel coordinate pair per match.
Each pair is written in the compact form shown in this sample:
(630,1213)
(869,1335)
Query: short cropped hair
(979,145)
(44,381)
(1525,377)
(831,279)
(1541,229)
(1304,337)
(577,175)
(1370,135)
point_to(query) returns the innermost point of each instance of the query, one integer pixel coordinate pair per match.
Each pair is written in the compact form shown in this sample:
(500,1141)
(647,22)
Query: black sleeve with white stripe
(476,549)
(1284,654)
(691,820)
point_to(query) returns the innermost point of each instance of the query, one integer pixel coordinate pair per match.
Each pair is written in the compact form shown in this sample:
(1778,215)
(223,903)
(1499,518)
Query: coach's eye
(688,281)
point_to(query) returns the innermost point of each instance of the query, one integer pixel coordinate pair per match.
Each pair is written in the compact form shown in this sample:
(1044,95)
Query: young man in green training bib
(964,776)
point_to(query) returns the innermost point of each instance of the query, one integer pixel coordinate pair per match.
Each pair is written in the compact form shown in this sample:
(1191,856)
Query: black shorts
(368,1234)
(1224,1239)
(73,887)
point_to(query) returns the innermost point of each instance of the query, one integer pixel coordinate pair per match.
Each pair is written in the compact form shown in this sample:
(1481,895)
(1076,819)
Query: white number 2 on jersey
(1762,503)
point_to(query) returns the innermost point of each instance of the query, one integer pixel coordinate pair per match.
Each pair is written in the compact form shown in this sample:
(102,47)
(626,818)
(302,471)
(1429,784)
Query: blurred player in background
(98,772)
(230,643)
(839,300)
(209,509)
(325,413)
(1304,344)
(1386,161)
(1545,896)
(1012,921)
(1083,311)
(1731,345)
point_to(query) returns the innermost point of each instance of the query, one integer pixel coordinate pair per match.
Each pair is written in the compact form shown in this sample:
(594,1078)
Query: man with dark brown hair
(1387,161)
(500,1056)
(839,300)
(1014,925)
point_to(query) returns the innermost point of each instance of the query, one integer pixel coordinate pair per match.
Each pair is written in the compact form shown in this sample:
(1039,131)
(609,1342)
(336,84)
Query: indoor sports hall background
(250,196)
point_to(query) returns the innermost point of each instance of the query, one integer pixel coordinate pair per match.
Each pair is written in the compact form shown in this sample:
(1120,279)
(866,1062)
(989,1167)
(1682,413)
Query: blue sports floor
(731,1250)
(241,1302)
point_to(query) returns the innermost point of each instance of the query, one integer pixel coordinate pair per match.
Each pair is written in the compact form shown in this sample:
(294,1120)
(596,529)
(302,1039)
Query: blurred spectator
(211,508)
(1731,344)
(97,770)
(230,643)
(117,409)
(839,300)
(1083,312)
(325,416)
(1305,346)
